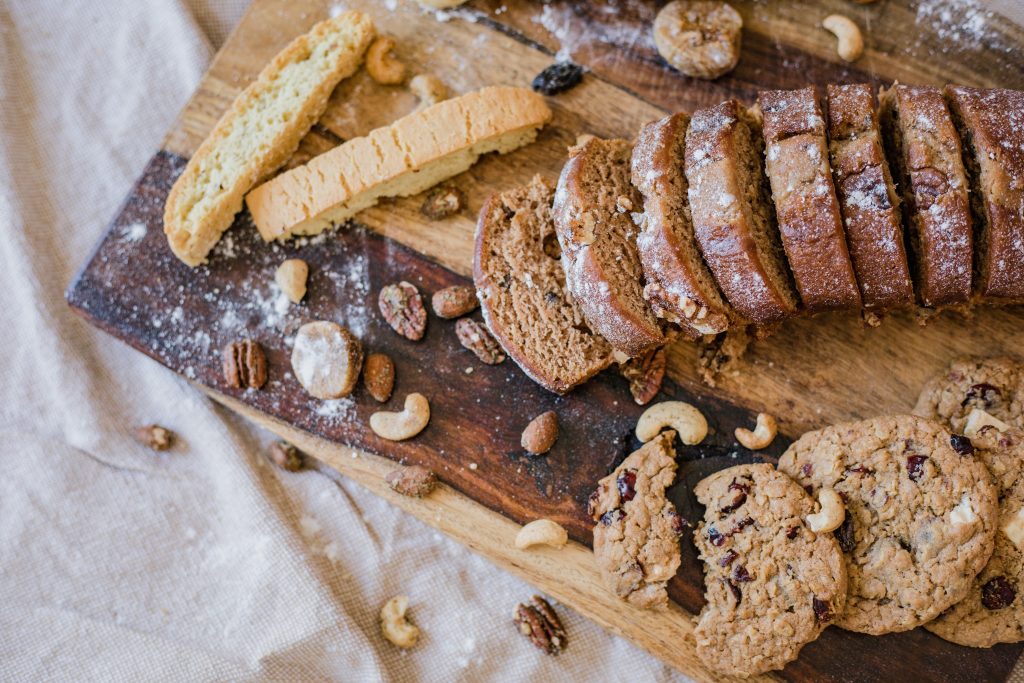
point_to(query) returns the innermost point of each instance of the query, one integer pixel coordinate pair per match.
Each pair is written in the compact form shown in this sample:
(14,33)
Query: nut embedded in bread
(260,131)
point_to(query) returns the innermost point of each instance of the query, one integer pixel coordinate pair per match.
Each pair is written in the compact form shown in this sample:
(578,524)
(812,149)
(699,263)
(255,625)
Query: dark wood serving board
(812,373)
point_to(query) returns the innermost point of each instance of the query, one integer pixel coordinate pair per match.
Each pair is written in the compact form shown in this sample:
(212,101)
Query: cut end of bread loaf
(260,131)
(412,154)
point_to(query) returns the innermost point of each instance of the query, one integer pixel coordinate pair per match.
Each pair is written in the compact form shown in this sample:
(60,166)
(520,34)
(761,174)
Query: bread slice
(733,219)
(925,155)
(592,209)
(412,154)
(796,160)
(867,198)
(518,274)
(991,125)
(679,285)
(260,131)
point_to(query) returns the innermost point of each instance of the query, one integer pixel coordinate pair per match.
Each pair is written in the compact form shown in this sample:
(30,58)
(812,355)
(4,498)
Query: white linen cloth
(204,563)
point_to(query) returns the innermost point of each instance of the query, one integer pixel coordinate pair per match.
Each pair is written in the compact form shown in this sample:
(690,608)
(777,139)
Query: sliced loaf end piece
(592,211)
(518,274)
(679,285)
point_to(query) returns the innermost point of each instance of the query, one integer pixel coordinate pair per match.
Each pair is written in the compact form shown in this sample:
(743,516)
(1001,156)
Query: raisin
(728,558)
(715,536)
(822,610)
(741,575)
(915,466)
(737,485)
(984,394)
(792,532)
(626,483)
(961,444)
(998,593)
(845,536)
(612,516)
(737,501)
(558,78)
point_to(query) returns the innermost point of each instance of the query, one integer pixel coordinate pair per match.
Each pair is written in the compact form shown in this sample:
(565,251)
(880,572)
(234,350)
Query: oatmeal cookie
(995,385)
(921,515)
(772,584)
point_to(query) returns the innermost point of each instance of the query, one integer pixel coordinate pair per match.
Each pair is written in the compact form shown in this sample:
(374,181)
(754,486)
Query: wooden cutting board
(812,373)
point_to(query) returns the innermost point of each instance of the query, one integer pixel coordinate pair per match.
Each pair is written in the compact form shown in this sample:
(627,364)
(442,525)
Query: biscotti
(597,235)
(925,153)
(679,285)
(991,125)
(260,130)
(732,213)
(518,274)
(414,153)
(796,160)
(867,198)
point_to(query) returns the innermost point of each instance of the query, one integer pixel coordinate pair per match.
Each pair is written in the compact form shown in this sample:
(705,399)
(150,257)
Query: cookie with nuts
(326,359)
(772,584)
(994,385)
(699,38)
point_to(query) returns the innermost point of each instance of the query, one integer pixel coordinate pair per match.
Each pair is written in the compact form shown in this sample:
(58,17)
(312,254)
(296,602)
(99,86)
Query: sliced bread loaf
(732,213)
(597,235)
(679,285)
(991,125)
(260,130)
(521,285)
(867,198)
(415,152)
(811,226)
(925,155)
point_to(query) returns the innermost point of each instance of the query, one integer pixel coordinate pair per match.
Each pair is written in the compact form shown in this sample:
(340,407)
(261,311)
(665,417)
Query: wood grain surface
(813,372)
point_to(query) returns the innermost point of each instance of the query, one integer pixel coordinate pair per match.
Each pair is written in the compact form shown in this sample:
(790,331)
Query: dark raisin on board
(558,78)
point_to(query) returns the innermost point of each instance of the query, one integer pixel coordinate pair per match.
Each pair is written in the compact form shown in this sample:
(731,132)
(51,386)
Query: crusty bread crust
(867,198)
(261,129)
(991,123)
(412,154)
(796,154)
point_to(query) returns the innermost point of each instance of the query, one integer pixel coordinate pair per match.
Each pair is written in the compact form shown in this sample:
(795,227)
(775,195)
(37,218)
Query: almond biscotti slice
(679,285)
(733,218)
(925,153)
(991,125)
(518,274)
(796,160)
(412,154)
(592,210)
(867,198)
(260,131)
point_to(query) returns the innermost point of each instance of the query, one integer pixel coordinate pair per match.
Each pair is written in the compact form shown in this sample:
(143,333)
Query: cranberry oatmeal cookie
(636,538)
(921,515)
(995,385)
(772,584)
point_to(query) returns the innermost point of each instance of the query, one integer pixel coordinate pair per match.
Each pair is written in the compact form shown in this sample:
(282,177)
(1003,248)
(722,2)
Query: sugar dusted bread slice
(991,125)
(925,153)
(518,273)
(679,285)
(260,131)
(732,213)
(414,153)
(592,209)
(796,160)
(867,198)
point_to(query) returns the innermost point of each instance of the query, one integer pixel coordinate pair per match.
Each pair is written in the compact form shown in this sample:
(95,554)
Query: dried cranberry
(822,610)
(740,525)
(740,485)
(557,78)
(792,532)
(679,524)
(728,558)
(592,504)
(915,466)
(740,574)
(626,483)
(845,536)
(998,593)
(737,501)
(982,393)
(806,469)
(859,469)
(961,444)
(612,516)
(715,536)
(736,592)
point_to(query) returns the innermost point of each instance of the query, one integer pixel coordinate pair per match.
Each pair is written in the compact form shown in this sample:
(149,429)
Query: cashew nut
(383,66)
(291,278)
(850,44)
(831,514)
(541,532)
(393,624)
(405,424)
(429,89)
(762,436)
(978,419)
(680,416)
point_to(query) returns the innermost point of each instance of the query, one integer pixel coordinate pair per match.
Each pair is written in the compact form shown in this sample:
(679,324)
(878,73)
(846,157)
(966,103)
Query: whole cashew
(762,436)
(978,419)
(404,425)
(541,532)
(831,515)
(850,44)
(680,416)
(429,89)
(393,624)
(383,66)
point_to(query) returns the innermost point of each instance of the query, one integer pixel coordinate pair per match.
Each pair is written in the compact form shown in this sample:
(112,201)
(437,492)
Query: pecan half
(413,481)
(539,623)
(455,301)
(443,201)
(379,376)
(645,375)
(245,365)
(478,339)
(402,306)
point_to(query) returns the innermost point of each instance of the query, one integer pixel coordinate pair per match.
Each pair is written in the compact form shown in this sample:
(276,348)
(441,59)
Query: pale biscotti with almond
(412,154)
(260,132)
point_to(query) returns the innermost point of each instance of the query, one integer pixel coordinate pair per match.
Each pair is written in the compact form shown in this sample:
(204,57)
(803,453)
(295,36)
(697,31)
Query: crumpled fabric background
(204,563)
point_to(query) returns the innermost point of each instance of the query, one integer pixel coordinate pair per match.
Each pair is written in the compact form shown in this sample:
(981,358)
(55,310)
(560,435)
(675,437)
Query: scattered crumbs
(336,410)
(468,371)
(309,526)
(473,466)
(133,232)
